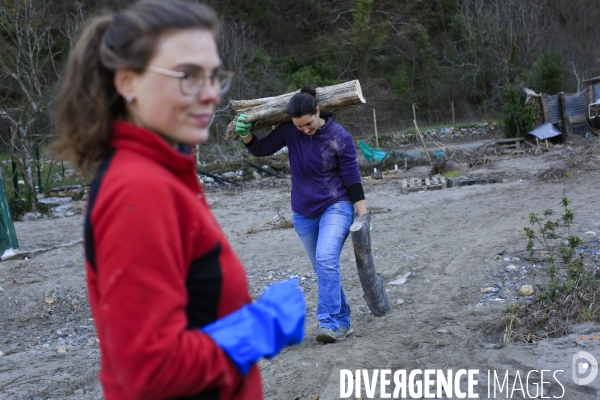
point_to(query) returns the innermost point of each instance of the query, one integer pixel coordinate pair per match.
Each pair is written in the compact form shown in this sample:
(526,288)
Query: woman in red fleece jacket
(169,297)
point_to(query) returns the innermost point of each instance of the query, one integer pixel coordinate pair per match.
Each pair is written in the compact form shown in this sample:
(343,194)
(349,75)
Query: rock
(486,290)
(498,258)
(256,175)
(30,216)
(494,290)
(443,330)
(56,200)
(1,290)
(208,179)
(377,175)
(79,392)
(69,214)
(61,210)
(1,353)
(543,253)
(511,268)
(526,290)
(61,349)
(229,175)
(398,281)
(70,172)
(498,285)
(442,166)
(515,259)
(399,301)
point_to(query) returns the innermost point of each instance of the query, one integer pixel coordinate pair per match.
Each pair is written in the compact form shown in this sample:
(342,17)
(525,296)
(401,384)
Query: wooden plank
(469,181)
(413,184)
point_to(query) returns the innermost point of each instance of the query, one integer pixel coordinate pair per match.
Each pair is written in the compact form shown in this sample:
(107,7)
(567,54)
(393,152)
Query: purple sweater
(323,165)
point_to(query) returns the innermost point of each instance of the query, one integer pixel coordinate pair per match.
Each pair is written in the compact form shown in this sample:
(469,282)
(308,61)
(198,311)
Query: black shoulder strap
(90,251)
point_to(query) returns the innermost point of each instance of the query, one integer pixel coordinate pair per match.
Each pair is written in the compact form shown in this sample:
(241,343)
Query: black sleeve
(356,192)
(251,142)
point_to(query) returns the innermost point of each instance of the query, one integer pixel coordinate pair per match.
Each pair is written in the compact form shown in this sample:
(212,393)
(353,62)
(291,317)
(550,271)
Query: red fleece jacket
(158,268)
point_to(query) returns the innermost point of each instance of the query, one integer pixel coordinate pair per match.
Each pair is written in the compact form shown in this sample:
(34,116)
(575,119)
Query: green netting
(373,154)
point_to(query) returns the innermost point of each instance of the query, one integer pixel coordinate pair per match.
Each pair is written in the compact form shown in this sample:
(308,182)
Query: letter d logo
(581,368)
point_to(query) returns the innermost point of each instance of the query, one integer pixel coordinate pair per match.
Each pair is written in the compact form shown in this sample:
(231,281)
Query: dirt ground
(448,239)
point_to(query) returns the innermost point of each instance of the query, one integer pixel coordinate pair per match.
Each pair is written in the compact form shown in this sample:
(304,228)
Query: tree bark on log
(371,282)
(269,111)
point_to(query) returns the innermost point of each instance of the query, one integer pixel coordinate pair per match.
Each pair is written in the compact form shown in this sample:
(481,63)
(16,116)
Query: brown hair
(88,101)
(303,103)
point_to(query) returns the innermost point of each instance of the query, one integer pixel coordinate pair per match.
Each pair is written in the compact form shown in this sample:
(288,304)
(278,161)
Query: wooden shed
(574,113)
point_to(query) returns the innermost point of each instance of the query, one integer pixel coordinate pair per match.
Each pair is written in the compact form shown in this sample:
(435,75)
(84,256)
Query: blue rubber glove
(263,328)
(241,127)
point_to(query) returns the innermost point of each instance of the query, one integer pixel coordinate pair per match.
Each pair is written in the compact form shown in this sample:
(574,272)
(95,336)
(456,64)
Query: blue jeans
(323,238)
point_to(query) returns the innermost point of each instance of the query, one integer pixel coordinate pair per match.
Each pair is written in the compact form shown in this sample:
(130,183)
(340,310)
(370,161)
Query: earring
(128,98)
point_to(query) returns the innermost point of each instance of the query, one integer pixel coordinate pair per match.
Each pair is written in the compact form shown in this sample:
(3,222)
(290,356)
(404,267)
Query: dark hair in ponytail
(88,101)
(303,103)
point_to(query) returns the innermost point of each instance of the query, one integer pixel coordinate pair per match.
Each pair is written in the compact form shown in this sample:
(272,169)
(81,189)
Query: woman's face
(308,123)
(156,100)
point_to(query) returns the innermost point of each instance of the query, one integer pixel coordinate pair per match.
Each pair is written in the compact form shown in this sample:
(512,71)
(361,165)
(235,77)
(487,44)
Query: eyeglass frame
(180,74)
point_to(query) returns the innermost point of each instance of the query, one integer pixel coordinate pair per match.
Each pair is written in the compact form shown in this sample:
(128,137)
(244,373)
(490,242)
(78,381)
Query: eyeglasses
(190,84)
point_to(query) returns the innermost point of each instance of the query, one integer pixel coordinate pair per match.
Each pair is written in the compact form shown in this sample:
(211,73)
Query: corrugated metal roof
(576,104)
(545,131)
(596,79)
(553,111)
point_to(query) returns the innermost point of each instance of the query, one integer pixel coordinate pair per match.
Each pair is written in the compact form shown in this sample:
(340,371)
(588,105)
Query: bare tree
(502,37)
(30,46)
(242,54)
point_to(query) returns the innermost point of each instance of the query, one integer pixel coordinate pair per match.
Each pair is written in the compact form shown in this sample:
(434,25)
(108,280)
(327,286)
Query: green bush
(18,207)
(558,301)
(517,118)
(548,73)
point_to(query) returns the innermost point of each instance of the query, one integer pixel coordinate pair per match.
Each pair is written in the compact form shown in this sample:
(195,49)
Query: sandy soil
(448,239)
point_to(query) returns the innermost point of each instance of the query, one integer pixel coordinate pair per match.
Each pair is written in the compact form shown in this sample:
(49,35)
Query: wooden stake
(375,123)
(453,121)
(414,113)
(485,110)
(419,134)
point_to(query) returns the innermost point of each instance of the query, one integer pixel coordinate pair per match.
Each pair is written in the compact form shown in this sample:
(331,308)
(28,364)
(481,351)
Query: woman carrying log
(168,295)
(325,185)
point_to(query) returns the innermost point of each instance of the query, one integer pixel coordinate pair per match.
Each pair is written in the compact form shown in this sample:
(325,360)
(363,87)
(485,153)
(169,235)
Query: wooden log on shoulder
(371,282)
(269,111)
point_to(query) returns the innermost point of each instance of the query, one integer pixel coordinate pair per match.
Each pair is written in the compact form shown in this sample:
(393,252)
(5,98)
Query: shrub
(548,73)
(517,118)
(559,301)
(18,207)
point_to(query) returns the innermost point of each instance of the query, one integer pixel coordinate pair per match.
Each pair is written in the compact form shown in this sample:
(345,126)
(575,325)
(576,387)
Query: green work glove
(241,127)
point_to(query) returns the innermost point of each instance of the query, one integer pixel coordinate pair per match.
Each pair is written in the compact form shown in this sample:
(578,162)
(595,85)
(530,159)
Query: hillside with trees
(430,53)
